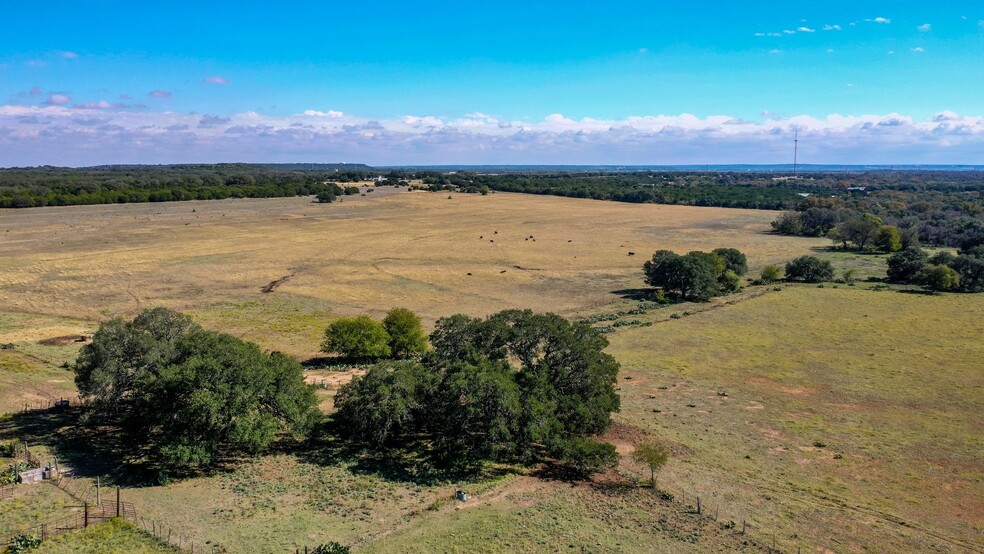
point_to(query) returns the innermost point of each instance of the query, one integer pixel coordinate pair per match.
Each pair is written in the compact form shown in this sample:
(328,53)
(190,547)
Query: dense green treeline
(59,186)
(937,207)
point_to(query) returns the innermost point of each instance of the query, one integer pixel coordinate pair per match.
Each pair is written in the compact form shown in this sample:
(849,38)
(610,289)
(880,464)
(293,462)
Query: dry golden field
(80,265)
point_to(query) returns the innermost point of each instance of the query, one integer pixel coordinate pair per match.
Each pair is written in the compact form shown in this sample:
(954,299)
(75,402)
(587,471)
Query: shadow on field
(640,295)
(408,465)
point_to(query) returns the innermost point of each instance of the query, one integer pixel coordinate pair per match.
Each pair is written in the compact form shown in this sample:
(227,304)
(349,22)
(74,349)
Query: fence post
(698,506)
(117,501)
(743,526)
(85,505)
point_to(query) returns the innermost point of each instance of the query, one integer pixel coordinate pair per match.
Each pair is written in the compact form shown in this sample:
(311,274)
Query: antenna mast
(796,142)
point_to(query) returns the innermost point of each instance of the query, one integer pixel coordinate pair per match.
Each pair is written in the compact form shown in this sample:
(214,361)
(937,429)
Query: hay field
(851,421)
(82,265)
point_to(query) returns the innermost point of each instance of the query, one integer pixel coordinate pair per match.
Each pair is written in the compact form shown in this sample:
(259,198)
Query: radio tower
(796,142)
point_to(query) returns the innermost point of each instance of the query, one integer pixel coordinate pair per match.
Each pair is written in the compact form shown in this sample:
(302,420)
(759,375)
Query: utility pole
(796,142)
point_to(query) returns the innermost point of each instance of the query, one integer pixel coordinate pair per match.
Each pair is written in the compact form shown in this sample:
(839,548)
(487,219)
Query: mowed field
(745,388)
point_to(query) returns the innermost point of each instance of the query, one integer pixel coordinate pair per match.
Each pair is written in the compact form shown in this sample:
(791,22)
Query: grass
(30,506)
(116,536)
(366,254)
(887,382)
(744,387)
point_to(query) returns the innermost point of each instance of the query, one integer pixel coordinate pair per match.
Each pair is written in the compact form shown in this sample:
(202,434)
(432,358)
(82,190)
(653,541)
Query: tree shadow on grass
(90,451)
(641,295)
(409,464)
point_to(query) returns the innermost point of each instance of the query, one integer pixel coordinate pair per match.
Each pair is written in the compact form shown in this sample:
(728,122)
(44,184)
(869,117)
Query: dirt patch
(331,380)
(272,285)
(65,340)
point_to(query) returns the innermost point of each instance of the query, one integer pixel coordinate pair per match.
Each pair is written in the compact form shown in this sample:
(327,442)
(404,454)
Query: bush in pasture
(940,278)
(906,265)
(331,548)
(357,338)
(406,334)
(788,223)
(888,239)
(653,455)
(810,269)
(862,230)
(970,265)
(349,191)
(585,455)
(770,274)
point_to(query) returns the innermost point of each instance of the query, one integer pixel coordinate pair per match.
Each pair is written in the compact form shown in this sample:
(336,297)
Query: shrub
(888,238)
(653,455)
(940,278)
(357,338)
(23,543)
(810,269)
(771,274)
(331,548)
(906,265)
(734,260)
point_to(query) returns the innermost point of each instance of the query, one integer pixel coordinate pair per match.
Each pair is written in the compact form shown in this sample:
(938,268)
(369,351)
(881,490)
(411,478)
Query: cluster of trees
(697,276)
(891,219)
(942,272)
(183,397)
(516,386)
(400,335)
(333,191)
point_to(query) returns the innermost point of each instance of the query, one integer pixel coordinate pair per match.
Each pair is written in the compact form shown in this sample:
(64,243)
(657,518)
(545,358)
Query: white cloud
(806,30)
(160,94)
(884,20)
(643,50)
(925,27)
(830,50)
(775,51)
(331,114)
(891,52)
(831,27)
(788,32)
(774,34)
(57,134)
(760,34)
(215,80)
(918,50)
(58,99)
(68,55)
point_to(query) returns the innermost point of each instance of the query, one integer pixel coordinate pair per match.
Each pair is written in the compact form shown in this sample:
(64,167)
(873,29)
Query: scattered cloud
(831,27)
(925,27)
(68,55)
(643,50)
(883,20)
(788,32)
(63,135)
(101,105)
(918,49)
(215,80)
(210,121)
(806,30)
(160,94)
(58,99)
(891,52)
(850,85)
(35,91)
(775,51)
(759,34)
(329,114)
(35,63)
(830,50)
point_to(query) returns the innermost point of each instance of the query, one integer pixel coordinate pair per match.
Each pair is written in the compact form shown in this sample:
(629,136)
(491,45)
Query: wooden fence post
(743,526)
(117,501)
(85,505)
(698,506)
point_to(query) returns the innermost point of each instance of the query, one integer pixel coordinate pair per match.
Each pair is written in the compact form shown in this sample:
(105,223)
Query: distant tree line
(892,219)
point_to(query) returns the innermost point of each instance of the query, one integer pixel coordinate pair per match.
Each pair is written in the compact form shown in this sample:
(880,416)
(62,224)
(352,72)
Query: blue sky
(491,82)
